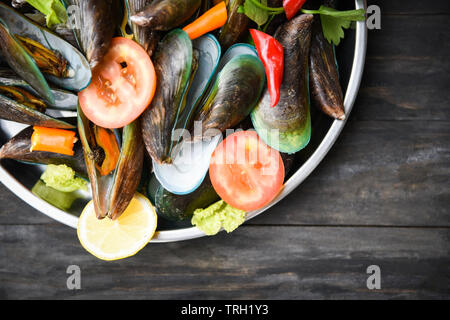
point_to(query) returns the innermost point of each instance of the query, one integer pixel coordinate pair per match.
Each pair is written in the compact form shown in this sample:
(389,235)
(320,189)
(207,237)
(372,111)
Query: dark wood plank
(407,71)
(253,262)
(15,211)
(378,173)
(411,36)
(404,88)
(434,7)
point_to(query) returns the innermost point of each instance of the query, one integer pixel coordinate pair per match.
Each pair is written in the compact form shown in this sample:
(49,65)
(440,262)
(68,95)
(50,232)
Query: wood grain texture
(435,7)
(381,196)
(378,173)
(253,262)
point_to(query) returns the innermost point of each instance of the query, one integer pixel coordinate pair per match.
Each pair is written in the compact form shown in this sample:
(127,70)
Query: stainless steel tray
(20,178)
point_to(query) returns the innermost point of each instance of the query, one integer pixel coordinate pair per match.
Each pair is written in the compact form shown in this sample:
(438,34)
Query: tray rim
(293,182)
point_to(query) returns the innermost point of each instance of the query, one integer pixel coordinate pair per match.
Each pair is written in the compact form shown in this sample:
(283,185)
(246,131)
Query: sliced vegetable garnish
(122,86)
(107,141)
(291,7)
(245,172)
(216,216)
(54,11)
(212,19)
(334,21)
(271,53)
(59,199)
(123,237)
(62,178)
(53,140)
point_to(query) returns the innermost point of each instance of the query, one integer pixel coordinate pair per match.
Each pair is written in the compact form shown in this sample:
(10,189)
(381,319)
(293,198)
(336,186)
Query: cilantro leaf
(333,28)
(256,13)
(334,21)
(54,11)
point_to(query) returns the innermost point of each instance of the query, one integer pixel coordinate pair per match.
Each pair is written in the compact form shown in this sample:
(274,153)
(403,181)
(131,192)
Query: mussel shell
(287,126)
(64,100)
(99,184)
(18,148)
(236,25)
(190,161)
(326,91)
(181,207)
(234,94)
(173,66)
(112,193)
(164,15)
(19,60)
(21,25)
(97,22)
(14,111)
(208,55)
(145,36)
(128,171)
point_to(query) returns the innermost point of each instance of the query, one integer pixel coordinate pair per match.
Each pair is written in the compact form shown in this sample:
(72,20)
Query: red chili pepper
(271,53)
(291,7)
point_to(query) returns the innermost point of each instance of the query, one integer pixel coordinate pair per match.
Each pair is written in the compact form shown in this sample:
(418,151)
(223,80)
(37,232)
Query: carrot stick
(107,141)
(212,19)
(53,140)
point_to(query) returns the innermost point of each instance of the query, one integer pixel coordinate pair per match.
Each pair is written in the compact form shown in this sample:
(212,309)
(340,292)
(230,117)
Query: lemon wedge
(121,238)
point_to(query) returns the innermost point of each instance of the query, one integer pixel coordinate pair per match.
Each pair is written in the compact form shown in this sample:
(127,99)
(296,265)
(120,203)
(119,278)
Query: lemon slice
(121,238)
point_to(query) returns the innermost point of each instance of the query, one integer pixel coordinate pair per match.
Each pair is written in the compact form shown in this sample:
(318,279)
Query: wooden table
(381,197)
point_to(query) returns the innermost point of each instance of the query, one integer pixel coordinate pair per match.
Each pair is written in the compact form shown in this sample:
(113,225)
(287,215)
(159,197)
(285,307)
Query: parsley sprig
(333,21)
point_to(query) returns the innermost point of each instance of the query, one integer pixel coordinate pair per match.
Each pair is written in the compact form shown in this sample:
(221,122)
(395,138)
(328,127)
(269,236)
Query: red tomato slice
(122,85)
(245,172)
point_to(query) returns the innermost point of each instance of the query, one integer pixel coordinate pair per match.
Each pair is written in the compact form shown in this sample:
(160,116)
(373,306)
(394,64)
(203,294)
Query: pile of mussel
(216,80)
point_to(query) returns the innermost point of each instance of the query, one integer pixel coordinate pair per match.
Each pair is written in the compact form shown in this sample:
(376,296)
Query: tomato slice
(245,172)
(122,85)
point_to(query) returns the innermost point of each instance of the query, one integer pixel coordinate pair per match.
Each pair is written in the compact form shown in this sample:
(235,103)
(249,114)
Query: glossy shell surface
(20,178)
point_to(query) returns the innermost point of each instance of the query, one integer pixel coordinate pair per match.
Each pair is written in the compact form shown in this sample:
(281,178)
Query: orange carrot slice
(107,141)
(53,140)
(212,19)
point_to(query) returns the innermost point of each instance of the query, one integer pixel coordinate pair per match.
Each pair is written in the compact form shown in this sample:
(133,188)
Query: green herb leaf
(334,21)
(255,13)
(54,11)
(216,216)
(62,178)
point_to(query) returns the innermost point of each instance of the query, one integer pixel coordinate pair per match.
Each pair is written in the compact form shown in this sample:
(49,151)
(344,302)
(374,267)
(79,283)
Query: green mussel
(326,91)
(38,55)
(64,100)
(145,36)
(164,15)
(180,207)
(173,62)
(236,25)
(113,190)
(94,23)
(234,93)
(19,102)
(287,126)
(184,69)
(18,148)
